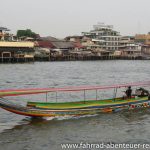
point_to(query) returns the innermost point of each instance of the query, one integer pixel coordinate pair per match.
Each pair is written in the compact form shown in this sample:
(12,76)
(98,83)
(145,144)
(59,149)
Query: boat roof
(17,92)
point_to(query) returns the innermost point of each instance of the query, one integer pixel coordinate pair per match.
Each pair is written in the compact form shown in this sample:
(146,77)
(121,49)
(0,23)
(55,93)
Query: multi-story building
(105,36)
(125,41)
(128,46)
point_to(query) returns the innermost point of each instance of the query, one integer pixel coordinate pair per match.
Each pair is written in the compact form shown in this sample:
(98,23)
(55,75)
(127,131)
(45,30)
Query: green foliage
(27,33)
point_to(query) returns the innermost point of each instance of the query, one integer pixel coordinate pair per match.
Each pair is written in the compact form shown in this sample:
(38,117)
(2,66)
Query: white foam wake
(67,117)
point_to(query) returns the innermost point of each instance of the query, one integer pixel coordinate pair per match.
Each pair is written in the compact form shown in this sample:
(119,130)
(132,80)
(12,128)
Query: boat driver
(128,92)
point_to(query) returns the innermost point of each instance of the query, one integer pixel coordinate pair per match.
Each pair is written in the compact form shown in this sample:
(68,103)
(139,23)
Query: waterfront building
(57,48)
(44,44)
(132,49)
(125,41)
(146,50)
(105,36)
(89,43)
(128,47)
(53,43)
(15,51)
(128,43)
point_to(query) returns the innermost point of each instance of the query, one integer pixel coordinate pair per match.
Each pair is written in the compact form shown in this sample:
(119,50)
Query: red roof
(45,44)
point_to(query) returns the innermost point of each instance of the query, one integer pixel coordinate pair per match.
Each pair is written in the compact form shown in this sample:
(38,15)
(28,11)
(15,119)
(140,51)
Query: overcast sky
(61,18)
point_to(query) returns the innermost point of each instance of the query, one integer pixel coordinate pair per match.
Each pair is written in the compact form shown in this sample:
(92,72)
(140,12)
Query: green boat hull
(46,109)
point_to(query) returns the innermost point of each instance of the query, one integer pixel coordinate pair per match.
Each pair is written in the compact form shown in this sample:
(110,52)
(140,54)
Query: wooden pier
(67,58)
(84,58)
(15,60)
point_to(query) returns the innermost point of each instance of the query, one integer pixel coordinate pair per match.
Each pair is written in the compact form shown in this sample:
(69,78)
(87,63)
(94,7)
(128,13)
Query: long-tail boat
(76,108)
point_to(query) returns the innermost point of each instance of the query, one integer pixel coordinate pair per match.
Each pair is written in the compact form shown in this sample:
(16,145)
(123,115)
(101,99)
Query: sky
(61,18)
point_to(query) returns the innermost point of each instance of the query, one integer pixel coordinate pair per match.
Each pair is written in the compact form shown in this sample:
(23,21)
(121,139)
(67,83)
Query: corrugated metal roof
(63,44)
(51,42)
(16,44)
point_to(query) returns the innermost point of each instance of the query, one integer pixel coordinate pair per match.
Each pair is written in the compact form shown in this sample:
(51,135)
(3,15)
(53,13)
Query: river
(23,133)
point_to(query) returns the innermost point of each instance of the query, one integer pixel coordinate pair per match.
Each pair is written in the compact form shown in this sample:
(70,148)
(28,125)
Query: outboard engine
(142,92)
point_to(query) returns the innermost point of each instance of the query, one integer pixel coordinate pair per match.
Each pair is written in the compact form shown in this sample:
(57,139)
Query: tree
(27,33)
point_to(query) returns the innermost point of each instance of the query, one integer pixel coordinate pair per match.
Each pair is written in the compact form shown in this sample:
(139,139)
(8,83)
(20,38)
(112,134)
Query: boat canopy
(17,92)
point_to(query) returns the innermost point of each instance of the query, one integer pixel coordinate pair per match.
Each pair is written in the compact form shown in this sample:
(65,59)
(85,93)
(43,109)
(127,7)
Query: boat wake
(67,117)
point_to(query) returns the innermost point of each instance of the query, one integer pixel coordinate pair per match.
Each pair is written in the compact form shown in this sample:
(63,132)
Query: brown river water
(25,133)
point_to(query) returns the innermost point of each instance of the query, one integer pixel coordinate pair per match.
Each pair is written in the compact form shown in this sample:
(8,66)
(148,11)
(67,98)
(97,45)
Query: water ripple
(18,132)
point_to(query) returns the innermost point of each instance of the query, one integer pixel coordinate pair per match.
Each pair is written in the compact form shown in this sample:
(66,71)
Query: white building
(105,36)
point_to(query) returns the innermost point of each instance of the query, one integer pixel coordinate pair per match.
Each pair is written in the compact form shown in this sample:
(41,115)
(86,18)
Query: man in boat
(128,92)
